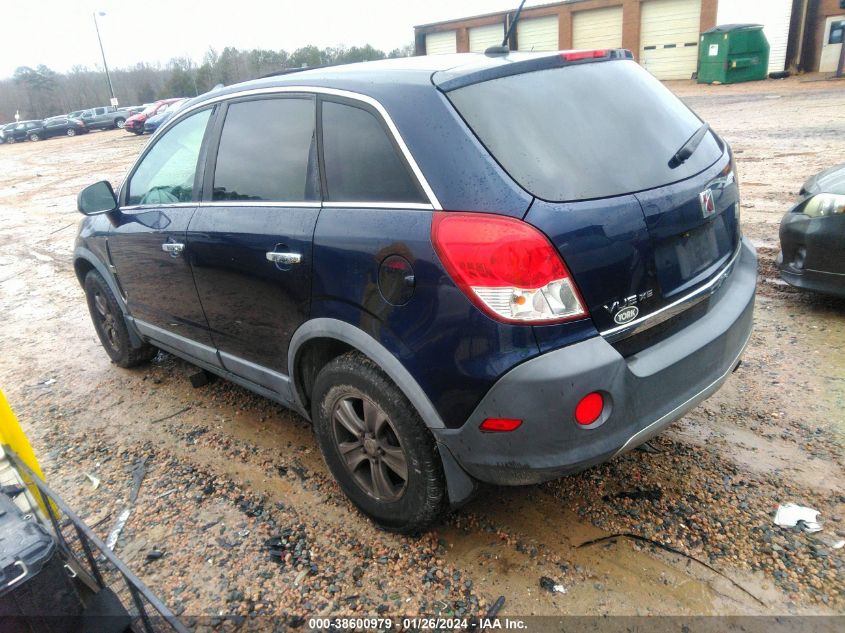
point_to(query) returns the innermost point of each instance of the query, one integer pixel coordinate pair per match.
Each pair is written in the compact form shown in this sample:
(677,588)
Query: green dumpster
(732,53)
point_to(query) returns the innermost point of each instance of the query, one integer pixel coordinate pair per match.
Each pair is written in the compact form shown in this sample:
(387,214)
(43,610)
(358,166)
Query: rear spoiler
(516,64)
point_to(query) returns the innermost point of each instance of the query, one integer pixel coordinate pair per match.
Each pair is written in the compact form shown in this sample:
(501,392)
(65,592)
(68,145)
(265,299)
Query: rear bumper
(643,393)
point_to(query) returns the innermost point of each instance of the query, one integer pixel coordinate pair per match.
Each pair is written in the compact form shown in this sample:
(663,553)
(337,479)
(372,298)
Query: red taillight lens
(500,425)
(589,408)
(506,267)
(574,56)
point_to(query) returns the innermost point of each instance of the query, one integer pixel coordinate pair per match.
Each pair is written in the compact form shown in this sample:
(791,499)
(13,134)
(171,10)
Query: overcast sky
(60,33)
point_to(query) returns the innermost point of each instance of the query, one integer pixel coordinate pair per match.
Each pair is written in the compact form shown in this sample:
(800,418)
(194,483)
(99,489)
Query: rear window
(584,131)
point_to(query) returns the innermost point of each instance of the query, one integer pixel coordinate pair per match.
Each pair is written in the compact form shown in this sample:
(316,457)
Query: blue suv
(495,268)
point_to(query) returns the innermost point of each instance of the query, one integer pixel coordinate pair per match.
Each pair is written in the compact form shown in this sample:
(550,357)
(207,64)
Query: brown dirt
(235,469)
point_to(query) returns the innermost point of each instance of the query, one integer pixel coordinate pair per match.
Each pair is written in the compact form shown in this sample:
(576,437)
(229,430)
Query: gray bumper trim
(655,427)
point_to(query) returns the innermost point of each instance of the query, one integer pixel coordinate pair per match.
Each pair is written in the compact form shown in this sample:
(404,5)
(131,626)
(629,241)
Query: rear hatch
(593,137)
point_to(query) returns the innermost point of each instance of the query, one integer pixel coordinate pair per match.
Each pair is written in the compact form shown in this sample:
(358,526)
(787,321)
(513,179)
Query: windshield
(584,131)
(150,109)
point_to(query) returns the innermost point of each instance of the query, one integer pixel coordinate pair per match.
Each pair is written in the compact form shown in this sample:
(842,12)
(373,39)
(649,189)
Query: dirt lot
(227,470)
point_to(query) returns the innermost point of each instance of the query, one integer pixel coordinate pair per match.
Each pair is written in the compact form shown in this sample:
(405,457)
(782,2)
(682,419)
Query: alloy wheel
(71,132)
(106,321)
(369,447)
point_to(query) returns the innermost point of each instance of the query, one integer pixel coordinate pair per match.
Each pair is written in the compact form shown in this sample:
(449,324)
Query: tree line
(40,92)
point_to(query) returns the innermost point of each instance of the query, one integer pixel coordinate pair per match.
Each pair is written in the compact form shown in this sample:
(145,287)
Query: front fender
(81,253)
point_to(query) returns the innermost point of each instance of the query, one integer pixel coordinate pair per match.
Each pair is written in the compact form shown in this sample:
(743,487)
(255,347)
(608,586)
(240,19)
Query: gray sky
(60,33)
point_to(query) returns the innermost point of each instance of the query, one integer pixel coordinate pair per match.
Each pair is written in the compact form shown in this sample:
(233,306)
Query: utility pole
(103,53)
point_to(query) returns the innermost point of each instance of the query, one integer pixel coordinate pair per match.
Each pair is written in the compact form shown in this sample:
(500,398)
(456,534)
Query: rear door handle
(173,248)
(284,258)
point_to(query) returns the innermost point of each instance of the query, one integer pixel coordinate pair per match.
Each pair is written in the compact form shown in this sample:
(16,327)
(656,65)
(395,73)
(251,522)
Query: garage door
(483,37)
(774,15)
(537,34)
(669,37)
(599,28)
(441,43)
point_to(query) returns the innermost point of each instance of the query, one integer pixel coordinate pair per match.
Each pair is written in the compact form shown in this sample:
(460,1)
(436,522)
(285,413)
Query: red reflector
(589,409)
(500,425)
(572,56)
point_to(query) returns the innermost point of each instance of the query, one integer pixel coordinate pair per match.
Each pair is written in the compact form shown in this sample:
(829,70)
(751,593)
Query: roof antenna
(504,49)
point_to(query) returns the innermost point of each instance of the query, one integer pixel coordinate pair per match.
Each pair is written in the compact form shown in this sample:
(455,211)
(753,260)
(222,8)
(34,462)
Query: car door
(251,236)
(56,127)
(147,243)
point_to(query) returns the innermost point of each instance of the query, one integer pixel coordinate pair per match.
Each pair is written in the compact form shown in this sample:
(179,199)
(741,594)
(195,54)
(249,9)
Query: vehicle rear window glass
(166,174)
(584,131)
(265,151)
(361,162)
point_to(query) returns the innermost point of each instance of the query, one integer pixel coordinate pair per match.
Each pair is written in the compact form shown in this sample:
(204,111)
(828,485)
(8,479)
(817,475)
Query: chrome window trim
(617,333)
(260,203)
(379,205)
(355,96)
(148,207)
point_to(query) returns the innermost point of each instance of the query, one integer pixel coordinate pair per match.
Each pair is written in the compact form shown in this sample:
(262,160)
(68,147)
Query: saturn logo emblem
(708,206)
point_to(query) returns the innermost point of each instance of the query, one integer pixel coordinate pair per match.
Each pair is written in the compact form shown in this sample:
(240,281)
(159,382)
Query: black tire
(110,325)
(71,132)
(11,140)
(34,138)
(408,506)
(118,123)
(138,132)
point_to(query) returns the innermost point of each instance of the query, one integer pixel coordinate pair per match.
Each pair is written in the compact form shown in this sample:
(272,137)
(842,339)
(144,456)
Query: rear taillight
(506,267)
(574,56)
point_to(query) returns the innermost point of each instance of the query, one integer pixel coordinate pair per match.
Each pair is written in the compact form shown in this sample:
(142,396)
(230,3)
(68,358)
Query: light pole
(103,53)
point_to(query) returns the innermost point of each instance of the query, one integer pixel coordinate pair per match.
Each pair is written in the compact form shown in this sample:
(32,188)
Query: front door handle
(173,248)
(284,258)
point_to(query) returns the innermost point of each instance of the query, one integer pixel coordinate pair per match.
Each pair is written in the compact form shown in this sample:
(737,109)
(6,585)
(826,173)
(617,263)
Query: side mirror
(97,198)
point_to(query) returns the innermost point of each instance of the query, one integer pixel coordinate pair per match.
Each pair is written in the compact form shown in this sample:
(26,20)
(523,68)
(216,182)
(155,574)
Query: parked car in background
(3,127)
(20,131)
(135,123)
(105,118)
(322,239)
(152,123)
(58,126)
(812,235)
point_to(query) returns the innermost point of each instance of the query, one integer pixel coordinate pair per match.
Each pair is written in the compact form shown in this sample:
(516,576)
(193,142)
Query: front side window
(166,174)
(361,162)
(267,152)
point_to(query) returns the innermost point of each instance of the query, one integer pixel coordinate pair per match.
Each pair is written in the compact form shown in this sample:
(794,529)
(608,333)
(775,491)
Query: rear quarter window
(584,131)
(361,162)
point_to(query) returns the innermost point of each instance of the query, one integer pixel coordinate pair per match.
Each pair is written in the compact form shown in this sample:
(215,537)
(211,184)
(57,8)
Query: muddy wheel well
(82,268)
(313,356)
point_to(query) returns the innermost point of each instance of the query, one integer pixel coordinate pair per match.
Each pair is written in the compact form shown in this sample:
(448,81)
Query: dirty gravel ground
(231,470)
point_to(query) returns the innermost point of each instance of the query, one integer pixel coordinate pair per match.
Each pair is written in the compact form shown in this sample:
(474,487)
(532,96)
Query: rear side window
(267,152)
(361,162)
(584,131)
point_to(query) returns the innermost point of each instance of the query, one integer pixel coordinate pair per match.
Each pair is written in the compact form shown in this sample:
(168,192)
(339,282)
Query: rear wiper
(686,150)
